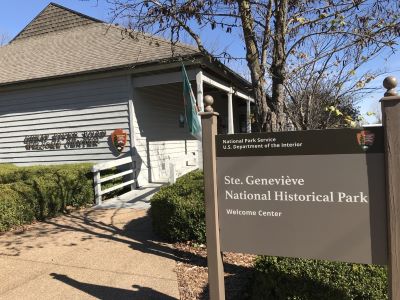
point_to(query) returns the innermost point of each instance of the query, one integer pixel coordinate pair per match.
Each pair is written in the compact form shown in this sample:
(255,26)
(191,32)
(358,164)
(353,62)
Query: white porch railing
(108,165)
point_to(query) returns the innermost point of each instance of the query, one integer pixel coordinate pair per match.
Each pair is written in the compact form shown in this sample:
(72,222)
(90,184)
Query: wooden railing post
(214,255)
(391,124)
(97,187)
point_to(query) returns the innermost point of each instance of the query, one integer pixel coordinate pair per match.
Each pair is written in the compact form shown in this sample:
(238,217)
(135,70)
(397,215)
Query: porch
(160,134)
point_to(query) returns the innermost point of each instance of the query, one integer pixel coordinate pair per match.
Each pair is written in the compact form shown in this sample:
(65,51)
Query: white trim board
(225,88)
(164,78)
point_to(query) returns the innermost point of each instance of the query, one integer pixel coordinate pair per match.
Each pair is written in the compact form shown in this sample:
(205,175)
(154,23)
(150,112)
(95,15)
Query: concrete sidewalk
(92,254)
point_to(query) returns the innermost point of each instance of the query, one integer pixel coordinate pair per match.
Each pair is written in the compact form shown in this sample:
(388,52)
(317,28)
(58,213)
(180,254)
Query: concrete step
(137,199)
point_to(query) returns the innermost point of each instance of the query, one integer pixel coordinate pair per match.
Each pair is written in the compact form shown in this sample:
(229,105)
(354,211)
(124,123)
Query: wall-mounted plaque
(118,139)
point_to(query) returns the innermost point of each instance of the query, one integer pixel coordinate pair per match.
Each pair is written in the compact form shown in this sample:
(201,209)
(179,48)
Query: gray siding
(100,104)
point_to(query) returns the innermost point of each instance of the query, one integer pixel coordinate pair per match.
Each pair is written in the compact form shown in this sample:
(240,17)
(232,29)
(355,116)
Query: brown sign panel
(309,194)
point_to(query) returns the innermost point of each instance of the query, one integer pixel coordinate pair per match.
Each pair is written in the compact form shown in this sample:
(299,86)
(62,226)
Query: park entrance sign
(310,194)
(324,194)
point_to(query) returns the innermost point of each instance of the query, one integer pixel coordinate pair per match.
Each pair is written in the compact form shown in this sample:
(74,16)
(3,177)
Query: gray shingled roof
(54,18)
(76,44)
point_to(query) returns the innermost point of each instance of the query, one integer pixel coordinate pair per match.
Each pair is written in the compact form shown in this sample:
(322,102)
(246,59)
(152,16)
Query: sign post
(214,255)
(391,123)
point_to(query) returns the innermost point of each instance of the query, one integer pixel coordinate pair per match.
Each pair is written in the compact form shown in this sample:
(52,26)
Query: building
(68,81)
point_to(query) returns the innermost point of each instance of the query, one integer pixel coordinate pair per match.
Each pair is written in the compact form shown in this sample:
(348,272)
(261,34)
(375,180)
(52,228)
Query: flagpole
(200,105)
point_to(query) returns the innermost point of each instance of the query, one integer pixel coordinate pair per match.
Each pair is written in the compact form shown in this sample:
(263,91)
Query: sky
(16,14)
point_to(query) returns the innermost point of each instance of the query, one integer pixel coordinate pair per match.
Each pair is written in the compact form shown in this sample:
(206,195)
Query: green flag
(192,119)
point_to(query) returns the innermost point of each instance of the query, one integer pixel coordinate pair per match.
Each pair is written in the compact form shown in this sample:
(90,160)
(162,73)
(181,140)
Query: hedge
(305,279)
(39,192)
(10,173)
(178,212)
(14,211)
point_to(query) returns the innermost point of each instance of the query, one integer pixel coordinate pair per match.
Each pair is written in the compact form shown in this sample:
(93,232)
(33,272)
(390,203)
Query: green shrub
(178,211)
(44,191)
(303,279)
(14,210)
(10,173)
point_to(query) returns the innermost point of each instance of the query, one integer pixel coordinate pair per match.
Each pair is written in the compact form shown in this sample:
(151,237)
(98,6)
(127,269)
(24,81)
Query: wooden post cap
(390,84)
(208,101)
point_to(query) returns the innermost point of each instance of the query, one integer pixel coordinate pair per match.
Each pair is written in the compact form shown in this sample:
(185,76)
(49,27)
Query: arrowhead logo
(118,139)
(365,139)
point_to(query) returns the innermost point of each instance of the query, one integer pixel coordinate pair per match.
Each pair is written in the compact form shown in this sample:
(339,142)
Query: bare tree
(282,38)
(318,106)
(374,115)
(333,81)
(3,39)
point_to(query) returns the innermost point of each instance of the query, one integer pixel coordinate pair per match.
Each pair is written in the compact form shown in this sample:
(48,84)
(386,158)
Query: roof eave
(218,67)
(125,67)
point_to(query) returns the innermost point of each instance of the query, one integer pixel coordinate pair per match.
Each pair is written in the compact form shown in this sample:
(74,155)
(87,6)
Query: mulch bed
(192,273)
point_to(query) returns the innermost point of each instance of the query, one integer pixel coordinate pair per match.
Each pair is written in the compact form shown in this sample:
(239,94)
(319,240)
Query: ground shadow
(137,234)
(237,280)
(143,197)
(111,293)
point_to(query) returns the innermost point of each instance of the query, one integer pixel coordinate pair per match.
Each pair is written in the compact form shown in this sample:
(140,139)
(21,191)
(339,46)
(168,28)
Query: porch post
(131,113)
(200,105)
(230,113)
(199,84)
(248,118)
